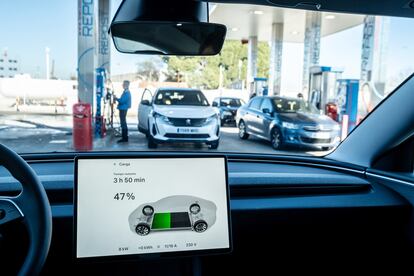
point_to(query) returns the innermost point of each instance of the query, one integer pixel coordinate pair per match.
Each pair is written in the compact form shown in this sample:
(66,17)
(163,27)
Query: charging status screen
(152,205)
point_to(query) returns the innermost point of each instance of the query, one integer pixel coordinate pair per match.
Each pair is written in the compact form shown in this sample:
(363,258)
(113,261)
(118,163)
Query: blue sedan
(287,121)
(228,107)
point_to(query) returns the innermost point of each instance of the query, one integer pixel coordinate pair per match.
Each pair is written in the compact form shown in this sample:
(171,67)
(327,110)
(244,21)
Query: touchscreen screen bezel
(186,253)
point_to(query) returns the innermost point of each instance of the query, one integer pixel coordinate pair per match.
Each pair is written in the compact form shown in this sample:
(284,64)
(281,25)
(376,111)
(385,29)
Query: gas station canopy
(244,21)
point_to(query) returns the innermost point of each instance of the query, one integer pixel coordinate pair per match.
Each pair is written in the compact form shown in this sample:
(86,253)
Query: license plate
(187,130)
(320,135)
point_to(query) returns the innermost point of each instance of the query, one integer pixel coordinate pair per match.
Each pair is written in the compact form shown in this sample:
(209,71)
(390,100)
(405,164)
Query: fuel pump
(103,99)
(259,87)
(109,107)
(347,103)
(322,88)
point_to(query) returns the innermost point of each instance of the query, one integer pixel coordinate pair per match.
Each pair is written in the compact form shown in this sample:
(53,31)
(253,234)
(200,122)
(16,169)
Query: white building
(9,66)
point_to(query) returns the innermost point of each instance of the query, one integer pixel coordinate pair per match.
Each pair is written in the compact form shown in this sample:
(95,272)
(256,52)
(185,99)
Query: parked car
(284,121)
(178,115)
(228,108)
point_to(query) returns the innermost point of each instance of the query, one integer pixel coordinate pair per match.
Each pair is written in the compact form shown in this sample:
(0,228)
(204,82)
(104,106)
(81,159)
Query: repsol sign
(86,17)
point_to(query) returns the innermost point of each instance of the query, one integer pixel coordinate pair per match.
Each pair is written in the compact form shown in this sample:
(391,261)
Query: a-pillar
(311,46)
(275,68)
(251,62)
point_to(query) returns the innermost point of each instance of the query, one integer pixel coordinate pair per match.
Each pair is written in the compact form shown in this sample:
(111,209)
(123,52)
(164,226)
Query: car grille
(189,122)
(176,135)
(318,128)
(315,140)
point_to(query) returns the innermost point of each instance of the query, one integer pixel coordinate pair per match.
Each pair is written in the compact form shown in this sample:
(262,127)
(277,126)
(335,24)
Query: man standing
(124,103)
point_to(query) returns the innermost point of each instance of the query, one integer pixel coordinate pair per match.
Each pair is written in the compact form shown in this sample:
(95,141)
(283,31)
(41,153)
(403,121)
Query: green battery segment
(161,221)
(171,220)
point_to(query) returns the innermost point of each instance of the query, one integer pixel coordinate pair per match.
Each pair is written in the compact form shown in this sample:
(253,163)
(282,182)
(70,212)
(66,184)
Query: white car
(178,115)
(178,212)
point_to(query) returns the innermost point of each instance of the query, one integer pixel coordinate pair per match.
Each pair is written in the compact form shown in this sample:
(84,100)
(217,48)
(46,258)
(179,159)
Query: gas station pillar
(311,46)
(104,51)
(87,11)
(251,61)
(93,46)
(373,58)
(275,68)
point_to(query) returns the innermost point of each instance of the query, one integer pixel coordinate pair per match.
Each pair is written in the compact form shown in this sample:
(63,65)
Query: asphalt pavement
(28,133)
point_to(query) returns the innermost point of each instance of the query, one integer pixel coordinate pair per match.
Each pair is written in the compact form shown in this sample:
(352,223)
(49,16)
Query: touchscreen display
(157,205)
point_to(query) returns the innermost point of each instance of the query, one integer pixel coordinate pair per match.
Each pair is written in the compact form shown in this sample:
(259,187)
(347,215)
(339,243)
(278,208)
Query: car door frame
(251,117)
(265,119)
(144,111)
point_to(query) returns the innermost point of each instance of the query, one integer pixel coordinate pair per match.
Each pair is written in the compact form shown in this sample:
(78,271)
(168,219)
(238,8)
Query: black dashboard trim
(309,161)
(267,191)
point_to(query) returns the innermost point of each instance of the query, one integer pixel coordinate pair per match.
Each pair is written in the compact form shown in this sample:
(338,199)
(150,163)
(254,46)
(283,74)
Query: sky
(28,27)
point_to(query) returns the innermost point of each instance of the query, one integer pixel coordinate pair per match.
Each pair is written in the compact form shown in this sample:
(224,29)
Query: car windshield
(230,102)
(65,88)
(175,97)
(294,106)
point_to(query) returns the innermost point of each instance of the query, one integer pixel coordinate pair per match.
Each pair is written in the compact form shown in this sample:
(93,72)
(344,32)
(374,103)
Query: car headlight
(290,125)
(161,117)
(211,118)
(336,127)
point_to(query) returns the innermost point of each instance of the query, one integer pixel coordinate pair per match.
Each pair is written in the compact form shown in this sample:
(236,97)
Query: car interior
(348,212)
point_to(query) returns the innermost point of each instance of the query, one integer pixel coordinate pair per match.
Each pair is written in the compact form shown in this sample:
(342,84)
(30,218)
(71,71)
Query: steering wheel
(31,206)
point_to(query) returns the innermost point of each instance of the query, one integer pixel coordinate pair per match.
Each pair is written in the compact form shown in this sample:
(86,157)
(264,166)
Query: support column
(275,68)
(47,51)
(311,46)
(104,50)
(373,58)
(87,11)
(251,62)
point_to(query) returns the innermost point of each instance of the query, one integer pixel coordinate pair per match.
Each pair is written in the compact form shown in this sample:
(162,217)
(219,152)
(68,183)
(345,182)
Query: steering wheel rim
(32,206)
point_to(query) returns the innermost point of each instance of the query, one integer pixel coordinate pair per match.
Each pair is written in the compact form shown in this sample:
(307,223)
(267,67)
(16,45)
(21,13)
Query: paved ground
(47,133)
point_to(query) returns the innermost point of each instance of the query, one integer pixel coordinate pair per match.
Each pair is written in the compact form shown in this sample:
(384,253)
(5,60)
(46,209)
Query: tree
(263,60)
(148,70)
(179,67)
(203,72)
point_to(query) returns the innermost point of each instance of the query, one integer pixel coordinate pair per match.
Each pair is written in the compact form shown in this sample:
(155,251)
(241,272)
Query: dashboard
(302,210)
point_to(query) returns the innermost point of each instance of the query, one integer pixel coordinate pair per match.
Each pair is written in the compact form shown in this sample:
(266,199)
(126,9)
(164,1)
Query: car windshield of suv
(65,88)
(294,106)
(230,102)
(189,97)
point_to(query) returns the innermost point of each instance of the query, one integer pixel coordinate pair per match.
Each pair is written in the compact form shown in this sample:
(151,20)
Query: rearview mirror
(166,28)
(215,104)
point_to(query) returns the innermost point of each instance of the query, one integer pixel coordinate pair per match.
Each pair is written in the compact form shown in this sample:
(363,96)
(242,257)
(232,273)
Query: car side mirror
(215,104)
(145,102)
(266,111)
